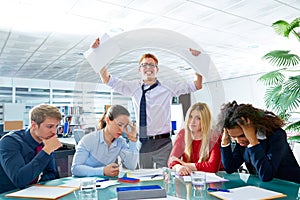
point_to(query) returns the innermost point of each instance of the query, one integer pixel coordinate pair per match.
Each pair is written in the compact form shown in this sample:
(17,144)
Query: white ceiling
(46,39)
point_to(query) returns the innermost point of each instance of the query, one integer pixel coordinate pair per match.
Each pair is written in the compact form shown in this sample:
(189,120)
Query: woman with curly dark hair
(259,141)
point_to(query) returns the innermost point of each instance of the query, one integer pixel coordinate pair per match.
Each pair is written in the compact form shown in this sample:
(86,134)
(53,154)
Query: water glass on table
(168,181)
(88,189)
(199,184)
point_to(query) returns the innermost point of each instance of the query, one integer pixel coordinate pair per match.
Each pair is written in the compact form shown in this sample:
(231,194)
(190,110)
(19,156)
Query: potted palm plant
(283,84)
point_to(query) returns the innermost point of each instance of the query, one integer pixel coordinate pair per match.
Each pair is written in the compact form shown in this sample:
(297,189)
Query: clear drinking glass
(88,189)
(199,184)
(168,181)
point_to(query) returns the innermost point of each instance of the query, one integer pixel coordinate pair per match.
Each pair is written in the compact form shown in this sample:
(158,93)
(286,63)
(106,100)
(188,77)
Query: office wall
(90,97)
(95,96)
(243,90)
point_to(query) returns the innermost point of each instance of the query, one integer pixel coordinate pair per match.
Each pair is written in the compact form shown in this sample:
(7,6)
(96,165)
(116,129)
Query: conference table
(184,190)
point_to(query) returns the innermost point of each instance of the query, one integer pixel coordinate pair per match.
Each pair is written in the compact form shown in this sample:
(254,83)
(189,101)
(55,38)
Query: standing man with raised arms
(152,101)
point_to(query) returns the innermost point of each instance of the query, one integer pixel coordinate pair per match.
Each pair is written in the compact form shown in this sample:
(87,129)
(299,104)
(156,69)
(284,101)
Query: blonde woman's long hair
(206,129)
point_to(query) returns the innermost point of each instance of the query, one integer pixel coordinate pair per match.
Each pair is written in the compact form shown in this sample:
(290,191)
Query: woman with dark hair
(260,142)
(97,152)
(197,146)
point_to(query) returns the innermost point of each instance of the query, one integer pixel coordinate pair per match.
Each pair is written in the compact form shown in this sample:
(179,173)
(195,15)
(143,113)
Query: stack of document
(146,174)
(101,183)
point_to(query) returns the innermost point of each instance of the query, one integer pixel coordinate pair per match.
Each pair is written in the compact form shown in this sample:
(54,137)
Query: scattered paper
(99,185)
(244,177)
(151,178)
(101,56)
(248,192)
(42,192)
(210,178)
(144,173)
(105,184)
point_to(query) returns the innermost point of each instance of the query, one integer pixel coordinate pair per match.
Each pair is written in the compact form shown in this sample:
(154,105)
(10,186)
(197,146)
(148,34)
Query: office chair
(296,151)
(78,134)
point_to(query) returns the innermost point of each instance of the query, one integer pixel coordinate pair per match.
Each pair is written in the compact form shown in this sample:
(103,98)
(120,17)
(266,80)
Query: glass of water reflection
(88,189)
(199,184)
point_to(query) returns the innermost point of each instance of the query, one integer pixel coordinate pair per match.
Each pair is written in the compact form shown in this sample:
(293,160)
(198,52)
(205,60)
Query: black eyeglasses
(151,65)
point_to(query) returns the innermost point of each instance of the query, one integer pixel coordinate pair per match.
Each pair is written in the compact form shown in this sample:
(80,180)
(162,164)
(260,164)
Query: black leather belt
(161,136)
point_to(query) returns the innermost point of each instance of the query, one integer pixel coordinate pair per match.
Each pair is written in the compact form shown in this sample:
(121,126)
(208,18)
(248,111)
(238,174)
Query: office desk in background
(64,156)
(184,190)
(68,142)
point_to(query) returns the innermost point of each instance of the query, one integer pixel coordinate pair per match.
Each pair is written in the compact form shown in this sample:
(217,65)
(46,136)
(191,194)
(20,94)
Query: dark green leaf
(272,78)
(272,98)
(281,27)
(295,126)
(282,58)
(293,25)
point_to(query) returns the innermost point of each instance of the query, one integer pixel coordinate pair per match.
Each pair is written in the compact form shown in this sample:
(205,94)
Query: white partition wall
(243,90)
(93,97)
(13,115)
(73,98)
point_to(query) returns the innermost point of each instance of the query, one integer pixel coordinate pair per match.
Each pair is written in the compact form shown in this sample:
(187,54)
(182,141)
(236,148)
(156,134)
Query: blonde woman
(196,147)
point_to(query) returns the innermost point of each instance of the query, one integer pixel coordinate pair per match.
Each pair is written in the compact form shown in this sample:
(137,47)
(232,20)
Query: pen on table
(102,180)
(218,189)
(99,181)
(153,176)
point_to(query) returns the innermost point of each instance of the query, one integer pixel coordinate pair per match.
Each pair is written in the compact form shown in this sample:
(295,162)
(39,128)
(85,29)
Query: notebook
(42,192)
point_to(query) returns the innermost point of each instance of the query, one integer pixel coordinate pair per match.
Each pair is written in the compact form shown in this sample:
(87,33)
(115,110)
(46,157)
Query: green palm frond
(285,116)
(282,102)
(295,126)
(284,29)
(292,89)
(282,95)
(282,58)
(272,78)
(281,27)
(272,98)
(290,99)
(293,84)
(293,25)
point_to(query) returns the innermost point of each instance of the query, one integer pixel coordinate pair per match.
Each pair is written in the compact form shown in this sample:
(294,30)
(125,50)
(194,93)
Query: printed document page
(248,192)
(42,192)
(210,178)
